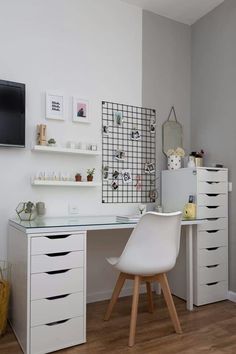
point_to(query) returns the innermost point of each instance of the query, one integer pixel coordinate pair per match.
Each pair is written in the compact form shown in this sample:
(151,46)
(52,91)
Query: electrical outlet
(230,186)
(73,209)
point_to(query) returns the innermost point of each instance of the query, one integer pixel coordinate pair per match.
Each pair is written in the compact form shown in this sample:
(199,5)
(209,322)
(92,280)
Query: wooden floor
(208,329)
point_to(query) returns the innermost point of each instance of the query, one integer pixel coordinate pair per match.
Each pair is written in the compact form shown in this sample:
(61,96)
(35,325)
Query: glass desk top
(86,222)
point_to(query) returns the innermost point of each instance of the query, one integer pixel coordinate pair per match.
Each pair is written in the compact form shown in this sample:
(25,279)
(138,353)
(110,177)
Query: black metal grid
(138,153)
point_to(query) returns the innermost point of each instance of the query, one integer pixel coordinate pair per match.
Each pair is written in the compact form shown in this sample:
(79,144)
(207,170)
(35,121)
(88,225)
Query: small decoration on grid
(149,168)
(105,173)
(115,175)
(119,155)
(152,126)
(118,118)
(106,130)
(135,134)
(138,182)
(115,184)
(126,175)
(153,196)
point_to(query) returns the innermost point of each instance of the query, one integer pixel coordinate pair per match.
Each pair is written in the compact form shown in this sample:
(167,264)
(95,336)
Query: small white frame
(80,104)
(55,105)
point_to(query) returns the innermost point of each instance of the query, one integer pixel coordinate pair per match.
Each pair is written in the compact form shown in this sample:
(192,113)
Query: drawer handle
(57,254)
(212,206)
(212,219)
(212,231)
(212,248)
(58,271)
(57,237)
(212,182)
(212,195)
(210,284)
(213,266)
(57,297)
(57,322)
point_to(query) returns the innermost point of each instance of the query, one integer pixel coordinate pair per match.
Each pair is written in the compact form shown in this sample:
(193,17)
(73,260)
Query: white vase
(174,162)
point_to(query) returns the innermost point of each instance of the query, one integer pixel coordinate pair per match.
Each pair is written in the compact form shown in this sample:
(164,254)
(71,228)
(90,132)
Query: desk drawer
(212,274)
(213,224)
(56,261)
(211,199)
(212,187)
(56,283)
(56,308)
(213,292)
(212,211)
(212,175)
(213,238)
(54,244)
(212,256)
(55,336)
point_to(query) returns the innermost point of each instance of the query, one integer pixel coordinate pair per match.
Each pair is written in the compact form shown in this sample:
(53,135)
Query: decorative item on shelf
(78,177)
(142,209)
(52,142)
(80,110)
(189,211)
(54,106)
(191,161)
(90,174)
(158,208)
(71,145)
(41,134)
(198,157)
(40,208)
(174,158)
(94,147)
(26,211)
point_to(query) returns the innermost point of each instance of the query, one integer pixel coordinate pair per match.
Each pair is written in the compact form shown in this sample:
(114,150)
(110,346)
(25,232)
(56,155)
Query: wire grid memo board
(128,154)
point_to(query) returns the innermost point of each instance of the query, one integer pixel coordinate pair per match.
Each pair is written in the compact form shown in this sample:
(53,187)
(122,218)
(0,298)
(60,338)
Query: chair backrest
(153,245)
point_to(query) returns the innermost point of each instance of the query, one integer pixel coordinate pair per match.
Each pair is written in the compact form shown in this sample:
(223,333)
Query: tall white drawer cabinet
(48,280)
(210,240)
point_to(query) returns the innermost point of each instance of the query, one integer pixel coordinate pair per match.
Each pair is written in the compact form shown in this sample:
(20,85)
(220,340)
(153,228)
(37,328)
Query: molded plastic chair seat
(150,252)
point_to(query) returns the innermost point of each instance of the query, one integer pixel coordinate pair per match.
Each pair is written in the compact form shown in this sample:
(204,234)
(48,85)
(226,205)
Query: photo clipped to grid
(128,154)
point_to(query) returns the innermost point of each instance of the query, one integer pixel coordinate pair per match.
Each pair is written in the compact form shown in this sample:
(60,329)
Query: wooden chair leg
(115,295)
(134,311)
(169,301)
(150,298)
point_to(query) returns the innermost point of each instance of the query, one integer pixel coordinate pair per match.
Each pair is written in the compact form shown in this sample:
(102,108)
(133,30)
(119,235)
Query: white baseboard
(232,296)
(105,295)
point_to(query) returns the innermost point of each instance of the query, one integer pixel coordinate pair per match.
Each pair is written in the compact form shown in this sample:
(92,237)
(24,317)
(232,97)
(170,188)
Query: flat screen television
(12,114)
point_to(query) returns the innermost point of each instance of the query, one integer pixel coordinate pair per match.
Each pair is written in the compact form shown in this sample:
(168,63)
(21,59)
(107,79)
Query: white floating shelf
(61,150)
(38,182)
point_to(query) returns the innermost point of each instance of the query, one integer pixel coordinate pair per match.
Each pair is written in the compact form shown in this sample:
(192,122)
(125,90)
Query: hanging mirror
(172,133)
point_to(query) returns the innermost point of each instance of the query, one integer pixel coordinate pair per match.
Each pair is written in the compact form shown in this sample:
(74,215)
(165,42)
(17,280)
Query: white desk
(52,237)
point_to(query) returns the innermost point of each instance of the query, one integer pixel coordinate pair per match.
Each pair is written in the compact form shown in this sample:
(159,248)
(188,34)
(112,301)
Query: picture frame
(80,110)
(126,176)
(118,118)
(55,105)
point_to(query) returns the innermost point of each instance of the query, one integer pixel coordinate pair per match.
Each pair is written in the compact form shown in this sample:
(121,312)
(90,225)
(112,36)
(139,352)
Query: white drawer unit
(210,242)
(48,288)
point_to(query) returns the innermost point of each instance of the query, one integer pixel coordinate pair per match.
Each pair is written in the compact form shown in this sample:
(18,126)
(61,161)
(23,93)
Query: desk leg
(189,266)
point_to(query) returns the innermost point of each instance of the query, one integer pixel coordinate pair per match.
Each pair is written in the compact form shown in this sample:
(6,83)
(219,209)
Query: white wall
(167,74)
(88,48)
(213,101)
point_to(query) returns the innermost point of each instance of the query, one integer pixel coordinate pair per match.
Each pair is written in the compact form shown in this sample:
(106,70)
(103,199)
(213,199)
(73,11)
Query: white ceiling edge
(184,11)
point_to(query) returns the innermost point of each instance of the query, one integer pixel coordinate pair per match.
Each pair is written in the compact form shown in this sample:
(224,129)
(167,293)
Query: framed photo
(149,168)
(80,110)
(119,155)
(55,106)
(118,118)
(135,135)
(126,175)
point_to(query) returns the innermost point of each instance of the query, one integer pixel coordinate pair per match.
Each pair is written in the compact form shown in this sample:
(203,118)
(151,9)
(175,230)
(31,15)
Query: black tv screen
(12,114)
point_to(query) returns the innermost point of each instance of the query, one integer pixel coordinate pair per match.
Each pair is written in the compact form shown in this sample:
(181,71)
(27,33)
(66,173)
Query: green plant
(51,141)
(90,172)
(77,175)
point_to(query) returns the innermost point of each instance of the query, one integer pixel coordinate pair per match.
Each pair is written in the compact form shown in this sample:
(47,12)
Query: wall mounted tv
(12,114)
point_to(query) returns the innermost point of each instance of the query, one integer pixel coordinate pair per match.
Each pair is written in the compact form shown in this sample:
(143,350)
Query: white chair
(150,252)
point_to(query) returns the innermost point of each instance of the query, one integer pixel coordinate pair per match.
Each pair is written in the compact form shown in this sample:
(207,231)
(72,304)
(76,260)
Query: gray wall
(214,100)
(167,73)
